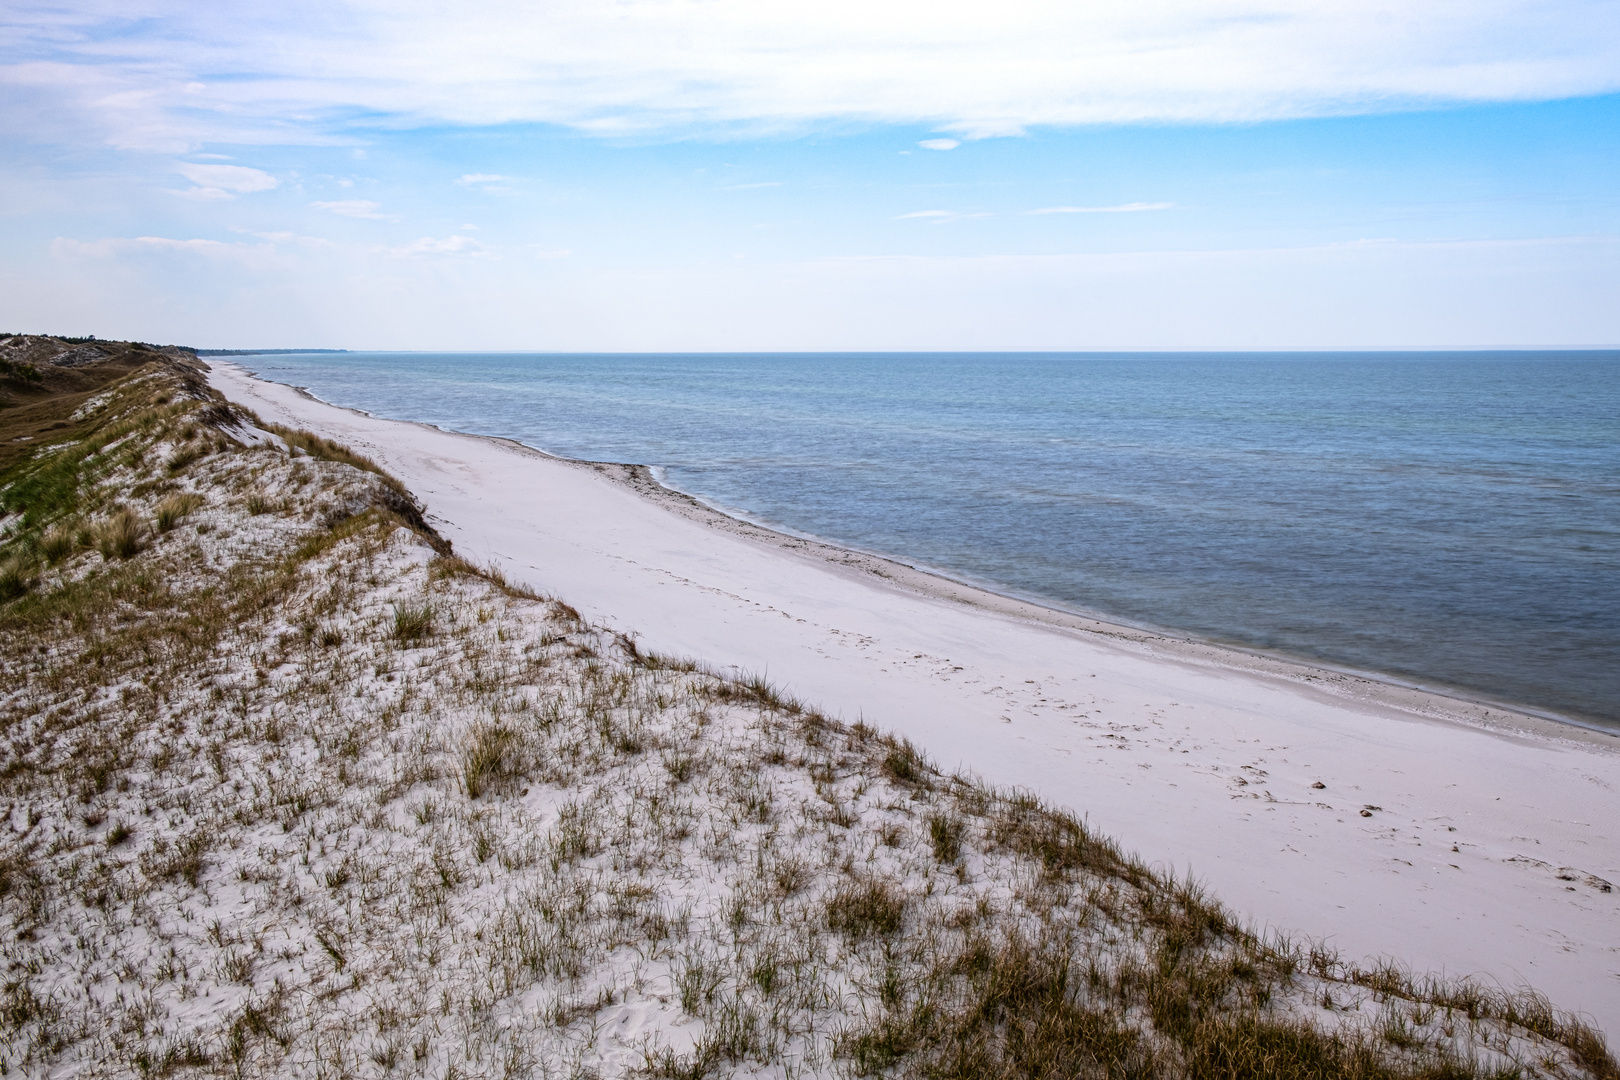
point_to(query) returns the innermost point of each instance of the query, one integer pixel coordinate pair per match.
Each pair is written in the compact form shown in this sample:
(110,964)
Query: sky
(812,175)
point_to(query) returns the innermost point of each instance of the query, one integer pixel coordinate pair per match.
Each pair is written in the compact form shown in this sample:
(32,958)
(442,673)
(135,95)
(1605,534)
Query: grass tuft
(121,536)
(58,542)
(16,576)
(413,623)
(487,757)
(905,765)
(945,835)
(866,908)
(174,509)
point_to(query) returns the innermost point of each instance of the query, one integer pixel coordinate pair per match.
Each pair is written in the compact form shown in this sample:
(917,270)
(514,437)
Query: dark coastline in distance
(266,352)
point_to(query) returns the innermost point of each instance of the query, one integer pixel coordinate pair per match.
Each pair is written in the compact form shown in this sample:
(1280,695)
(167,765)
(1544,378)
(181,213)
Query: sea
(1449,520)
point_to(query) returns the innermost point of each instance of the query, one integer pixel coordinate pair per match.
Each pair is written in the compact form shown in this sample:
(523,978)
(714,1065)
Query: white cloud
(429,246)
(237,178)
(128,71)
(201,193)
(223,181)
(209,251)
(939,217)
(119,245)
(477,179)
(1122,208)
(312,243)
(355,208)
(939,144)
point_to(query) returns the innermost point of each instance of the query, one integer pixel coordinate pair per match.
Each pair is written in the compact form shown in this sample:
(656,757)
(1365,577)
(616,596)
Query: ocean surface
(1450,519)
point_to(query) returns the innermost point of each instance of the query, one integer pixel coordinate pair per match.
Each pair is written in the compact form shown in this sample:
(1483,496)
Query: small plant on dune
(866,909)
(58,542)
(413,623)
(121,535)
(172,510)
(183,457)
(16,577)
(945,833)
(905,764)
(257,504)
(486,758)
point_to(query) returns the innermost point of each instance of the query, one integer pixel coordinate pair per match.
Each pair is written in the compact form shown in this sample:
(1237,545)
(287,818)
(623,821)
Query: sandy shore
(1452,835)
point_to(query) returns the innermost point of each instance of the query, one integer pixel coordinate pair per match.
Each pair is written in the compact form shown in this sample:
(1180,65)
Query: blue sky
(726,175)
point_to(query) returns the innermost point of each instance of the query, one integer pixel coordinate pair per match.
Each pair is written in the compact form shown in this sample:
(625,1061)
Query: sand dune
(1452,836)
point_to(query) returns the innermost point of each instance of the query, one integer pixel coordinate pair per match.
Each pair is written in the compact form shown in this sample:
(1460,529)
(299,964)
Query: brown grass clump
(181,458)
(488,757)
(58,542)
(413,623)
(868,908)
(121,536)
(945,835)
(327,450)
(16,577)
(174,509)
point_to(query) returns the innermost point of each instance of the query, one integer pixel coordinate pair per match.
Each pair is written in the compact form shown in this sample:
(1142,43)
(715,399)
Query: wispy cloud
(223,181)
(309,243)
(939,144)
(483,180)
(940,217)
(1122,208)
(429,247)
(609,67)
(253,256)
(355,208)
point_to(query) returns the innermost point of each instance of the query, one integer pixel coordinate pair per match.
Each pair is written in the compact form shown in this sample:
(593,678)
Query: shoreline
(1382,820)
(1451,702)
(1455,704)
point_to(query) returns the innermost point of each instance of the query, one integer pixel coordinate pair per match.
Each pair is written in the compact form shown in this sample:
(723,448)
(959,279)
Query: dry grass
(16,576)
(283,800)
(413,622)
(175,509)
(121,536)
(58,542)
(488,758)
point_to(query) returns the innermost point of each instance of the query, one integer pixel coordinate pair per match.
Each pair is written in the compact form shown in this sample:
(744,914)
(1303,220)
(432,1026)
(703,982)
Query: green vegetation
(22,372)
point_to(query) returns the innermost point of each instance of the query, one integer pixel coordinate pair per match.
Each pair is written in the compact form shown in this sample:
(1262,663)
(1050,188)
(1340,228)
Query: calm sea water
(1451,519)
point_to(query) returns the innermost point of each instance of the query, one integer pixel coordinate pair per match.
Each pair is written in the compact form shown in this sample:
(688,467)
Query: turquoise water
(1450,519)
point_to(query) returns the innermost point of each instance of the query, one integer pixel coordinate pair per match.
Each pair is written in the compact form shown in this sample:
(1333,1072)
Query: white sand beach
(1452,836)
